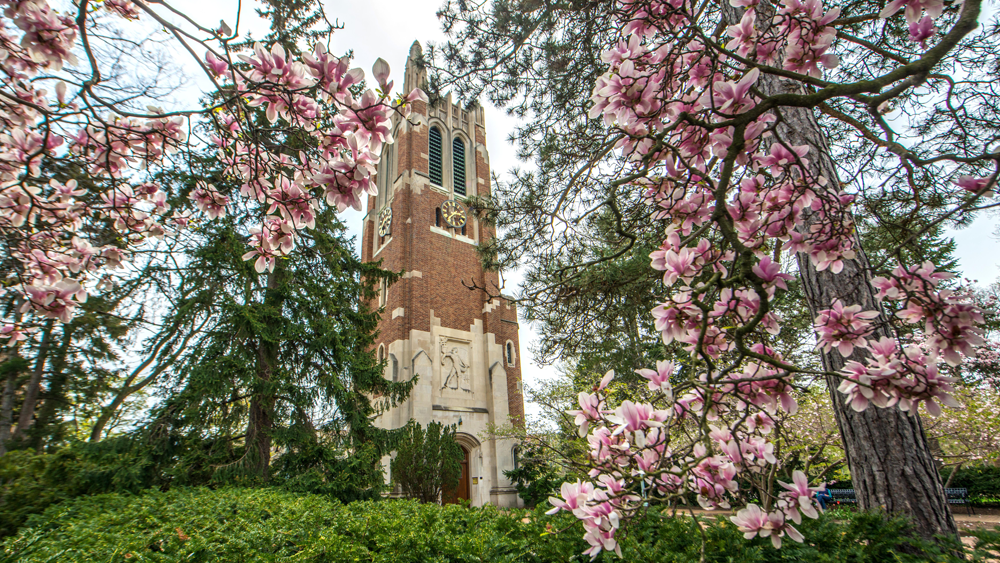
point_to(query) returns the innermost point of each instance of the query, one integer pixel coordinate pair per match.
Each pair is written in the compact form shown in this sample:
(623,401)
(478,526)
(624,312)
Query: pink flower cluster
(921,28)
(694,123)
(295,93)
(635,452)
(949,318)
(47,225)
(842,328)
(905,379)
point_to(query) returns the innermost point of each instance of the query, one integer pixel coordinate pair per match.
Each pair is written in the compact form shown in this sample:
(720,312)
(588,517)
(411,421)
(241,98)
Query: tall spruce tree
(286,364)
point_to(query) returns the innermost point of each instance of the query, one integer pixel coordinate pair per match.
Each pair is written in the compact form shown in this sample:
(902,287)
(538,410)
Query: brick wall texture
(448,266)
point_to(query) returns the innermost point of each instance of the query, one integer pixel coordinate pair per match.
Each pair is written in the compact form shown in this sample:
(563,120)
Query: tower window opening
(458,162)
(463,230)
(435,157)
(437,217)
(510,353)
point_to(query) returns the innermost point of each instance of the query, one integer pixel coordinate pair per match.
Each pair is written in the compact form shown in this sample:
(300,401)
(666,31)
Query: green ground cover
(270,525)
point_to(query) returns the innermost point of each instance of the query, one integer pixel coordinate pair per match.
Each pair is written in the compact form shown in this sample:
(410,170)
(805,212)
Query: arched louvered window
(458,160)
(435,157)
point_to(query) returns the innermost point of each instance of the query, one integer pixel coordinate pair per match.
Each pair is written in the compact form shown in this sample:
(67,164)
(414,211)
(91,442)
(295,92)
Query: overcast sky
(387,28)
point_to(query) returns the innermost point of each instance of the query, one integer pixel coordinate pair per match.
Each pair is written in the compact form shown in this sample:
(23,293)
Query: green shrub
(536,477)
(24,488)
(30,482)
(265,525)
(428,463)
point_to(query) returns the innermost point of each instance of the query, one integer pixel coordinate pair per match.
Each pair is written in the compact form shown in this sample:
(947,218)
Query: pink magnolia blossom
(218,66)
(922,30)
(970,183)
(209,200)
(659,379)
(14,334)
(844,328)
(934,9)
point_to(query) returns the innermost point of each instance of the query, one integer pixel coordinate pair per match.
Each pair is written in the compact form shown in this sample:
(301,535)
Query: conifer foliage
(218,224)
(428,461)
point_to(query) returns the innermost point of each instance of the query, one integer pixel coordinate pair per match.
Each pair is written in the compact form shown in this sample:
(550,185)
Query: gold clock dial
(453,214)
(385,222)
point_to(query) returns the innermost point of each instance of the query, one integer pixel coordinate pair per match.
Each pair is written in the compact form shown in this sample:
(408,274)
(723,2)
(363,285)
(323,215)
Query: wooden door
(461,492)
(463,481)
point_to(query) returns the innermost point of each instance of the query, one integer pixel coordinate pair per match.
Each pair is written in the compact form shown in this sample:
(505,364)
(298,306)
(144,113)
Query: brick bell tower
(461,343)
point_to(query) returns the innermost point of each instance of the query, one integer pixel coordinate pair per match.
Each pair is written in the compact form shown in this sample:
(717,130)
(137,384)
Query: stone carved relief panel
(456,365)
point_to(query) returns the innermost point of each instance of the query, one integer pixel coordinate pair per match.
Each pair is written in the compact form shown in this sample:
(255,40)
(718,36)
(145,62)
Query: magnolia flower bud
(381,72)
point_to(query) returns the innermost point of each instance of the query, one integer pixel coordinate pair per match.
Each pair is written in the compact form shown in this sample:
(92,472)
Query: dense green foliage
(428,463)
(983,482)
(30,482)
(536,477)
(236,525)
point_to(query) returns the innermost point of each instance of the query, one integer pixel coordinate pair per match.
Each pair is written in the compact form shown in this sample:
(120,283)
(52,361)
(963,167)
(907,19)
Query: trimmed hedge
(983,482)
(270,525)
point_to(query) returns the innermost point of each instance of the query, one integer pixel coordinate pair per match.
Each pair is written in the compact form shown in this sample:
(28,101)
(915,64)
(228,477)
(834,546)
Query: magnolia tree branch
(713,134)
(55,228)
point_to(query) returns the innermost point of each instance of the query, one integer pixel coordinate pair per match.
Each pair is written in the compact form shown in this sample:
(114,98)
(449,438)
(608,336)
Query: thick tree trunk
(7,409)
(890,461)
(27,414)
(261,419)
(53,396)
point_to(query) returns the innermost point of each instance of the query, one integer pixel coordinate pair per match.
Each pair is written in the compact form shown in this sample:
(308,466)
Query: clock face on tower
(453,214)
(385,222)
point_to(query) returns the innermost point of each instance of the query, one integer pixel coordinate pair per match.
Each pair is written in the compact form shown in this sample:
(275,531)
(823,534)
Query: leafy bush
(30,481)
(265,525)
(326,471)
(237,525)
(536,478)
(427,463)
(24,489)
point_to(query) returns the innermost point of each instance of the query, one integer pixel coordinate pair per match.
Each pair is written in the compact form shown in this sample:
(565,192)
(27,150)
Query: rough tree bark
(7,408)
(53,396)
(261,416)
(887,452)
(27,414)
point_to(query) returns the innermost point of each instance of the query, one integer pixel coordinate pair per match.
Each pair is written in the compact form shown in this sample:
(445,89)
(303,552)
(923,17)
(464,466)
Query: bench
(955,496)
(960,496)
(845,496)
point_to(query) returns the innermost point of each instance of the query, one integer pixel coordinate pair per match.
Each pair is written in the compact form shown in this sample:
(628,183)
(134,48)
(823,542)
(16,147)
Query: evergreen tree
(428,463)
(286,363)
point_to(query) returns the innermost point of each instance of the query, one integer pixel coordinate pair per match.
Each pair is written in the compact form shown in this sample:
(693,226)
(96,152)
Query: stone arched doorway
(471,450)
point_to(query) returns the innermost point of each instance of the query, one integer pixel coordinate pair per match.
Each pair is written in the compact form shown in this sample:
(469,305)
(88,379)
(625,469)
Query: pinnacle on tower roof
(415,74)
